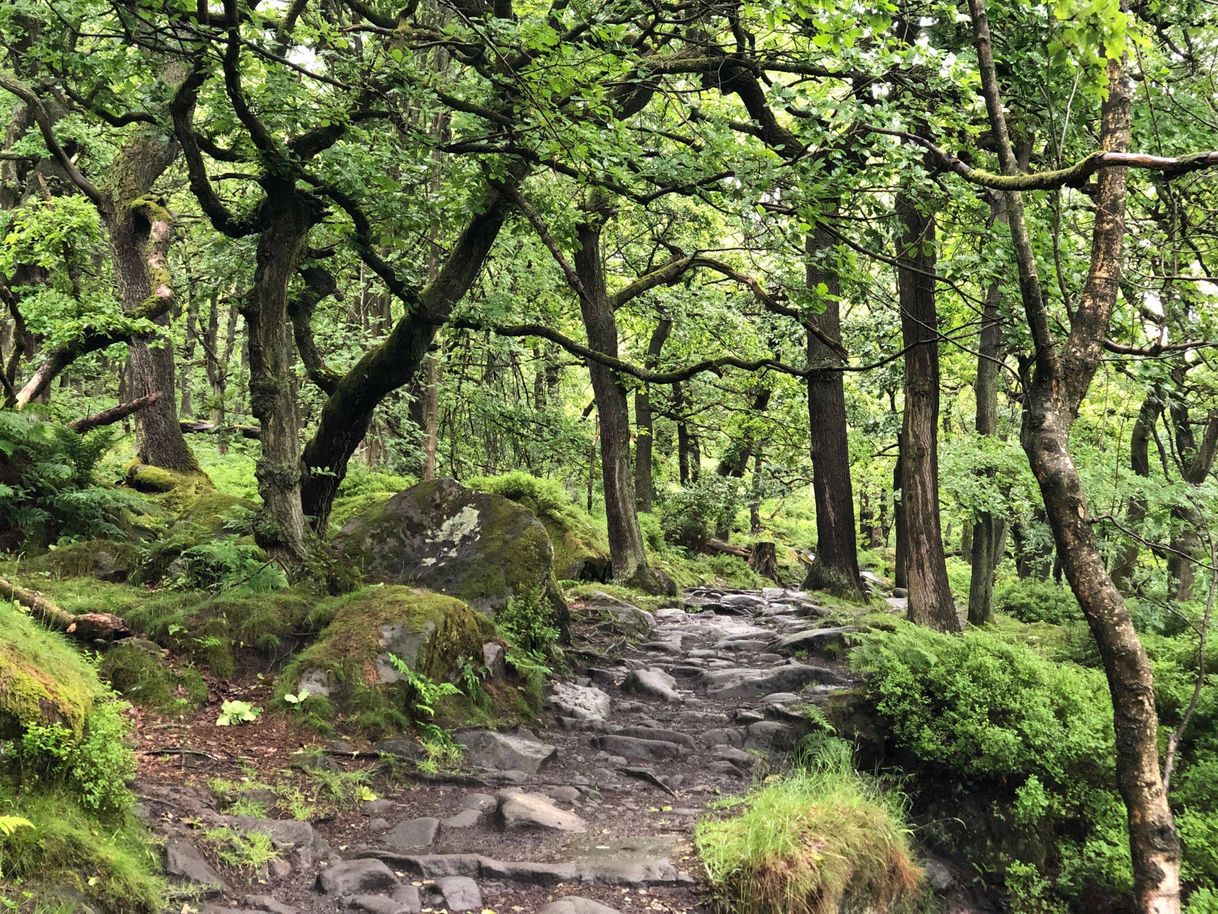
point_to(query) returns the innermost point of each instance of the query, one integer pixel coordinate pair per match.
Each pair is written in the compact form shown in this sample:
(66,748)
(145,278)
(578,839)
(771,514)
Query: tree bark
(930,596)
(286,218)
(644,483)
(1139,462)
(688,458)
(626,550)
(836,566)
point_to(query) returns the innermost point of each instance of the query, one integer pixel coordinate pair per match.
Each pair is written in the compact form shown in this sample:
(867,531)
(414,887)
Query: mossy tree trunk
(644,483)
(930,596)
(286,218)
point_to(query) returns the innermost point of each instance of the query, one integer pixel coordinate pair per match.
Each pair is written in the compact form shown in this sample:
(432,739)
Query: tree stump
(763,559)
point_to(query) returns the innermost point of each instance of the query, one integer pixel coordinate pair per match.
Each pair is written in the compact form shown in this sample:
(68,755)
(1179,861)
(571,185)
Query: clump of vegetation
(139,672)
(64,770)
(818,839)
(1030,600)
(529,628)
(1018,747)
(247,850)
(46,484)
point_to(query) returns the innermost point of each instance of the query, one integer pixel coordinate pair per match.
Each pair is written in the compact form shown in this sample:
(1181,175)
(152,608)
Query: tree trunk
(930,597)
(1139,462)
(1061,377)
(626,551)
(900,570)
(982,549)
(763,559)
(687,444)
(644,483)
(836,566)
(139,233)
(287,216)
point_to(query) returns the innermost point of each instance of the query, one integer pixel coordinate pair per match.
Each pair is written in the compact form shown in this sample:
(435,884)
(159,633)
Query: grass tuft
(816,840)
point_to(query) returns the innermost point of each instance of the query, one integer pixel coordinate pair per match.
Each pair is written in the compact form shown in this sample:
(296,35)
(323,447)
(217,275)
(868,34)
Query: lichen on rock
(482,548)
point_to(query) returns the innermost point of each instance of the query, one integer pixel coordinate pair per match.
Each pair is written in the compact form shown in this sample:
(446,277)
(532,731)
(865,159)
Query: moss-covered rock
(43,680)
(481,548)
(104,559)
(351,668)
(159,481)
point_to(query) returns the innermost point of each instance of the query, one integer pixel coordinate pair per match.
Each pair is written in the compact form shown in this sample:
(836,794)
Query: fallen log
(717,545)
(253,432)
(88,628)
(114,413)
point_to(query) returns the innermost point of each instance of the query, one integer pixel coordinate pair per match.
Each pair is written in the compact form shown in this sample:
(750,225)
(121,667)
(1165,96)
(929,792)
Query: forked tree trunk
(836,566)
(1062,374)
(930,596)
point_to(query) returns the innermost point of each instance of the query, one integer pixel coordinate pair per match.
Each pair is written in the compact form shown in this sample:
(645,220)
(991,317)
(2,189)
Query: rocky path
(591,813)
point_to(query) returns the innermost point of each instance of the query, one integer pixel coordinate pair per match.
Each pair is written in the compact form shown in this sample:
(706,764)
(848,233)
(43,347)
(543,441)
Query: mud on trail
(591,811)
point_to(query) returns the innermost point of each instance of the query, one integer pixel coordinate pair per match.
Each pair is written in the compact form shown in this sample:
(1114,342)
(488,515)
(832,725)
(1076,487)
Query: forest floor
(598,801)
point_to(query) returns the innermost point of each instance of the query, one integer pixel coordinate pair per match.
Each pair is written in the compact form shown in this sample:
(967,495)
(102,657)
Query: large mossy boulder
(43,680)
(352,669)
(482,548)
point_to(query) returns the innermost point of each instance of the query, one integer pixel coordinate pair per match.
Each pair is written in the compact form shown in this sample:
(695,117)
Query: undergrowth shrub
(46,483)
(1017,747)
(818,839)
(1031,600)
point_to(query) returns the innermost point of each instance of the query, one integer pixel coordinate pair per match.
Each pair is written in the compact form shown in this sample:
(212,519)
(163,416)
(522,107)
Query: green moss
(137,670)
(159,481)
(43,680)
(349,647)
(113,864)
(85,558)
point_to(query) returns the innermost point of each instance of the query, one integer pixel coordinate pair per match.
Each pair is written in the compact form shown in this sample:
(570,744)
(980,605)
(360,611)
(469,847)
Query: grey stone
(494,658)
(440,535)
(413,834)
(371,904)
(583,702)
(653,682)
(460,893)
(466,818)
(356,877)
(184,861)
(751,683)
(265,904)
(631,747)
(407,896)
(815,640)
(660,733)
(532,810)
(504,752)
(573,904)
(770,734)
(294,839)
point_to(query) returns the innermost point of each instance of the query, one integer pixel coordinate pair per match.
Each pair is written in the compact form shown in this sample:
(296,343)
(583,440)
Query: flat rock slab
(624,870)
(631,747)
(573,904)
(459,893)
(753,683)
(504,751)
(815,640)
(532,810)
(357,877)
(654,683)
(413,834)
(184,861)
(581,702)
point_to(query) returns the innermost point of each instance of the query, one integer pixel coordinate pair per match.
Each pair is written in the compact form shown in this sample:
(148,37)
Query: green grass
(112,863)
(811,841)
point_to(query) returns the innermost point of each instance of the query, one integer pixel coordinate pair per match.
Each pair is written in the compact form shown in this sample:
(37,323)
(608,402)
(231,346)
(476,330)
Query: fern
(9,825)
